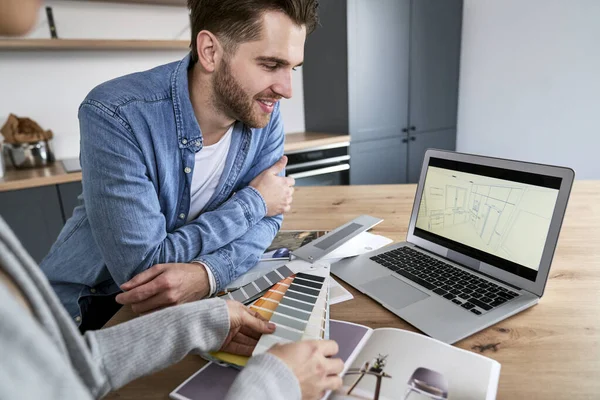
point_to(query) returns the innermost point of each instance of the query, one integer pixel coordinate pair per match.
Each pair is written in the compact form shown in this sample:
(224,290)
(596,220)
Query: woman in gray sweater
(45,356)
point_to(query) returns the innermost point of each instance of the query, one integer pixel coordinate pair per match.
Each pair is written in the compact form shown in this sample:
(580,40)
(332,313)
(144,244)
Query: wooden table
(550,351)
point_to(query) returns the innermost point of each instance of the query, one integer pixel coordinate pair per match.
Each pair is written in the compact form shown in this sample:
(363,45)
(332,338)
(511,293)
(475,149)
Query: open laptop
(479,246)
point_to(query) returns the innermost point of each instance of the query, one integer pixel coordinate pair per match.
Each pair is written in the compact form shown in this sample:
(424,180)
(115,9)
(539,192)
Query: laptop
(479,247)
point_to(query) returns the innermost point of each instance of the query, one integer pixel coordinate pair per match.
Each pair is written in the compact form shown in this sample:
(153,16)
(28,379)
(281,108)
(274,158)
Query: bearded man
(183,183)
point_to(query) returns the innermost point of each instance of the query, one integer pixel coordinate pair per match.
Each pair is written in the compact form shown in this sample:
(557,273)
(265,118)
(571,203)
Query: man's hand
(276,190)
(165,285)
(310,362)
(245,328)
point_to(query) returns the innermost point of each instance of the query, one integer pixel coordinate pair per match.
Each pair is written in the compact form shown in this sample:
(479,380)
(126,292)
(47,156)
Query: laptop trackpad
(394,292)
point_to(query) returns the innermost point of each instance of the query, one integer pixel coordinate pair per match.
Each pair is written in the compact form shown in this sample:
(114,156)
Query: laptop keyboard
(454,284)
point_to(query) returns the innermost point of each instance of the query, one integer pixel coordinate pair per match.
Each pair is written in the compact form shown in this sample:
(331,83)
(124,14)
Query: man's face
(249,82)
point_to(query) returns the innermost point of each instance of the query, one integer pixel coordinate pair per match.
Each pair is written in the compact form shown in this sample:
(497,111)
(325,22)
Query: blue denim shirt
(139,136)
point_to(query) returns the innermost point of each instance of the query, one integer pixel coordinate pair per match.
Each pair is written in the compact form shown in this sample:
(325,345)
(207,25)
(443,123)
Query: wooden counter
(15,179)
(307,140)
(549,351)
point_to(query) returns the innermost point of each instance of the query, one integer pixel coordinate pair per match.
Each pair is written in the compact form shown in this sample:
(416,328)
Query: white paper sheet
(337,293)
(358,245)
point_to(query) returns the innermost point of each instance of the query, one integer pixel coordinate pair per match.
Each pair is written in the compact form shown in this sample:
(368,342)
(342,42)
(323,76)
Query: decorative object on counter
(18,130)
(29,155)
(51,23)
(26,144)
(71,165)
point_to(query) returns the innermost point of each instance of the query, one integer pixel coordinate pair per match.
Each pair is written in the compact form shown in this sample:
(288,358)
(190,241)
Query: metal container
(29,155)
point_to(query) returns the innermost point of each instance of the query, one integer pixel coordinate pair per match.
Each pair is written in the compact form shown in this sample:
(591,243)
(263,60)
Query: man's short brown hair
(239,21)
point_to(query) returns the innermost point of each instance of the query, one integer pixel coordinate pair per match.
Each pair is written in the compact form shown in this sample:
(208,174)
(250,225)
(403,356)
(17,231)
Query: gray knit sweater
(46,357)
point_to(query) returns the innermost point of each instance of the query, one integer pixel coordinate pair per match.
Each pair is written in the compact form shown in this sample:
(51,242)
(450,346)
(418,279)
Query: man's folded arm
(239,256)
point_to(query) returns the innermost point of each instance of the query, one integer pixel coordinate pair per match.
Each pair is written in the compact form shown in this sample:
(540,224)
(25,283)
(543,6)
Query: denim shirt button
(187,170)
(92,290)
(183,141)
(78,319)
(181,216)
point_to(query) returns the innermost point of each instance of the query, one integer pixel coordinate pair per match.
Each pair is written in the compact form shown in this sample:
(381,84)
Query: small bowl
(29,155)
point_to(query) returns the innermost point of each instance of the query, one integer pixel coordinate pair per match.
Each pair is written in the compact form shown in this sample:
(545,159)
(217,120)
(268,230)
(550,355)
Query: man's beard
(230,98)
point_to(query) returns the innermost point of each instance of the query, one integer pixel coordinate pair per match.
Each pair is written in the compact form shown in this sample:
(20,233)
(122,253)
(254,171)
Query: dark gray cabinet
(418,143)
(379,161)
(434,64)
(386,71)
(378,51)
(69,193)
(37,215)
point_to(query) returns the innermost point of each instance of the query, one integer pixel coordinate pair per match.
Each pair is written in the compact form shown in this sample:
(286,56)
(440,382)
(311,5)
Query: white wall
(530,82)
(48,86)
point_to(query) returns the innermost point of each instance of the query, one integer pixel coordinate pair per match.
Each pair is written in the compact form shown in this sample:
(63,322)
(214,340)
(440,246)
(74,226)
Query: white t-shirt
(208,168)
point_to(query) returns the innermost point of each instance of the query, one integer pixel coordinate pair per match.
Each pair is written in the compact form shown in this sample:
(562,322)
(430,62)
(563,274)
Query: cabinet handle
(404,140)
(331,160)
(404,130)
(413,128)
(321,171)
(413,138)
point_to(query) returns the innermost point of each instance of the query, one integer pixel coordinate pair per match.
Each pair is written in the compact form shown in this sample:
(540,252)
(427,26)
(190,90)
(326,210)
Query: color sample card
(254,289)
(298,306)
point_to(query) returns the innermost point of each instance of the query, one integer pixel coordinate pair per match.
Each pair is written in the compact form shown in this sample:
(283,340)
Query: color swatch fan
(254,289)
(298,305)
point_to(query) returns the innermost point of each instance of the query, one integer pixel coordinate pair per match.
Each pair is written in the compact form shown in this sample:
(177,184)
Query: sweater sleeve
(265,377)
(152,342)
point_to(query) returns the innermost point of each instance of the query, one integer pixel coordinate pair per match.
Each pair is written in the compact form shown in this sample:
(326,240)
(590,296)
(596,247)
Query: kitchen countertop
(307,140)
(15,179)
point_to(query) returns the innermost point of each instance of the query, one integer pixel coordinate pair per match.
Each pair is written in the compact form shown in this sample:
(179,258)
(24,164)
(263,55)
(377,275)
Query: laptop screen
(495,215)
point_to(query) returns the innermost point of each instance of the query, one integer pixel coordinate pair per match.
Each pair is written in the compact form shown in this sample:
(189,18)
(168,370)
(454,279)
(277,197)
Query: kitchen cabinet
(378,86)
(35,217)
(385,71)
(434,64)
(382,161)
(418,143)
(378,161)
(69,197)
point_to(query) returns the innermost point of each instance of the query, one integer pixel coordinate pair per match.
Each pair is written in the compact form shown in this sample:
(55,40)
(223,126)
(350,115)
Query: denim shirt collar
(188,129)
